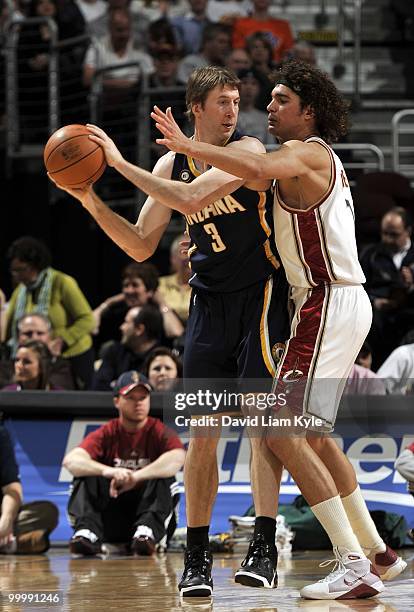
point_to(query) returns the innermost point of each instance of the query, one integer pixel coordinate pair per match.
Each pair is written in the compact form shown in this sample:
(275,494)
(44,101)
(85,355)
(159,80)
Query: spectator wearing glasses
(389,269)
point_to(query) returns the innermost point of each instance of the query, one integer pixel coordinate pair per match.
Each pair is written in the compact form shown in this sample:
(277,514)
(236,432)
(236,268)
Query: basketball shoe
(258,569)
(196,580)
(84,543)
(387,564)
(143,543)
(353,577)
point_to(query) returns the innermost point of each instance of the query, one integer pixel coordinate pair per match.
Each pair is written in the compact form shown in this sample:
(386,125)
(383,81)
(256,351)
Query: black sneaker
(258,569)
(83,547)
(196,580)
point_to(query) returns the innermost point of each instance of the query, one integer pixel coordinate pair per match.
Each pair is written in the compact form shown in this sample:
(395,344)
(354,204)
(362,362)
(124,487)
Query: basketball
(72,159)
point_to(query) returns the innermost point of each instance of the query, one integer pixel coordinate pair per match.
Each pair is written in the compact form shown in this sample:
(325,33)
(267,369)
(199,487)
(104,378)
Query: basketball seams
(91,179)
(77,161)
(59,144)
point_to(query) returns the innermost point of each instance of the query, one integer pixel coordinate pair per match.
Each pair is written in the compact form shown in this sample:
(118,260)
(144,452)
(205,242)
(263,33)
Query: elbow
(67,463)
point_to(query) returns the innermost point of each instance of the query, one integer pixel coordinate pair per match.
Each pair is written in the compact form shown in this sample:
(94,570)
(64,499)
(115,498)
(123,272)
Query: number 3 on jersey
(216,241)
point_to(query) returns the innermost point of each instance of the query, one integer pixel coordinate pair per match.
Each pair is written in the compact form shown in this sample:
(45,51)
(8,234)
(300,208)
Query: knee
(203,445)
(284,448)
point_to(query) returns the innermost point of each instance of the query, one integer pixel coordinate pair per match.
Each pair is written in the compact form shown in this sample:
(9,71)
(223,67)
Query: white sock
(332,516)
(362,524)
(86,533)
(143,530)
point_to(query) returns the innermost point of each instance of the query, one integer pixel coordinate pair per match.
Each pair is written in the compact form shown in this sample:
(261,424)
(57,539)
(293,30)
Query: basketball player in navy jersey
(238,307)
(315,236)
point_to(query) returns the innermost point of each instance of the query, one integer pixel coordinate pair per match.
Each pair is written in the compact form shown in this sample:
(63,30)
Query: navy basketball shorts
(237,336)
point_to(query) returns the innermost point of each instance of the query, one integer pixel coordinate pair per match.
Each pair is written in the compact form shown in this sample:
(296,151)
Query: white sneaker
(387,564)
(353,577)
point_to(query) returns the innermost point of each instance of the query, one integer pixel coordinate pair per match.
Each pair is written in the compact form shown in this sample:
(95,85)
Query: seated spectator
(165,75)
(174,288)
(141,332)
(163,369)
(117,49)
(277,31)
(238,59)
(160,34)
(388,267)
(50,292)
(189,28)
(32,366)
(260,52)
(124,487)
(302,51)
(24,528)
(215,46)
(36,326)
(397,371)
(252,121)
(139,287)
(139,23)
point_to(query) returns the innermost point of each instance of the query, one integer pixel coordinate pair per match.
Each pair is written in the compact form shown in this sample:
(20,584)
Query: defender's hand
(174,138)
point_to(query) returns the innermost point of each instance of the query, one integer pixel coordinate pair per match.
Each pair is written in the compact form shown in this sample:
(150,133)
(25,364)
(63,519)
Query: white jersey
(318,245)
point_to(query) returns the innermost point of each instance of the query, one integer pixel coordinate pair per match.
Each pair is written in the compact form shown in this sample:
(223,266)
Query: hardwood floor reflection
(149,584)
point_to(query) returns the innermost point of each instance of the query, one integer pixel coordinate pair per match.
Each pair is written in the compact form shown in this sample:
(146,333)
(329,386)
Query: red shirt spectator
(278,30)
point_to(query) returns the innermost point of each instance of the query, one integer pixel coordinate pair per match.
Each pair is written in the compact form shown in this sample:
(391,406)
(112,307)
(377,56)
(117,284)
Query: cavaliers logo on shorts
(277,351)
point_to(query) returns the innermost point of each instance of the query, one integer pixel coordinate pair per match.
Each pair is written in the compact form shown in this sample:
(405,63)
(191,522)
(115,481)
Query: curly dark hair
(316,90)
(31,251)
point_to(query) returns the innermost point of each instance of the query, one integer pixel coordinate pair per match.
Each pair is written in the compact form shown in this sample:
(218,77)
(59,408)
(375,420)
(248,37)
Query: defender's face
(219,113)
(286,118)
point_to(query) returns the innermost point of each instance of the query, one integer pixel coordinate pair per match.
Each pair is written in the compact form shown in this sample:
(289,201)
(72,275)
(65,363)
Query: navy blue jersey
(232,242)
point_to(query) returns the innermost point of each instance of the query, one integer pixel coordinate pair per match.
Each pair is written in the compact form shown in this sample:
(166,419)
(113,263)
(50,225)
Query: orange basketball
(72,159)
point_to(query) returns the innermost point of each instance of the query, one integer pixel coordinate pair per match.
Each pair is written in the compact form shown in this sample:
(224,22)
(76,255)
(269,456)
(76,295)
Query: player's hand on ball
(80,194)
(112,153)
(174,138)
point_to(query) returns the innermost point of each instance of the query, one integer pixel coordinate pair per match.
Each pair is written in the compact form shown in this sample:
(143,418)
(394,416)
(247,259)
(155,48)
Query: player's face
(286,118)
(135,406)
(33,328)
(162,372)
(218,116)
(135,292)
(26,366)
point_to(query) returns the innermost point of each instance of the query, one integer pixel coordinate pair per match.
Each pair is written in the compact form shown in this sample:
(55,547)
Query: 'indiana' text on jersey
(232,244)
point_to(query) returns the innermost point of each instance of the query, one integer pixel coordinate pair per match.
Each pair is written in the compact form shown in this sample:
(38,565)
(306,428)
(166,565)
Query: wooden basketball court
(150,584)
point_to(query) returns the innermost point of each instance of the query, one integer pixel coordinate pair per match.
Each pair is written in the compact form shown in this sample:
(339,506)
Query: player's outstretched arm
(184,197)
(139,241)
(294,158)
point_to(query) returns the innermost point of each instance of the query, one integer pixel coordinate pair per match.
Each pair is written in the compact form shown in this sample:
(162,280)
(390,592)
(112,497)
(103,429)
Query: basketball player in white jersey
(315,236)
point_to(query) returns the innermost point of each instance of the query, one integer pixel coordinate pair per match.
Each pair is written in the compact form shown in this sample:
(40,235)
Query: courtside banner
(372,444)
